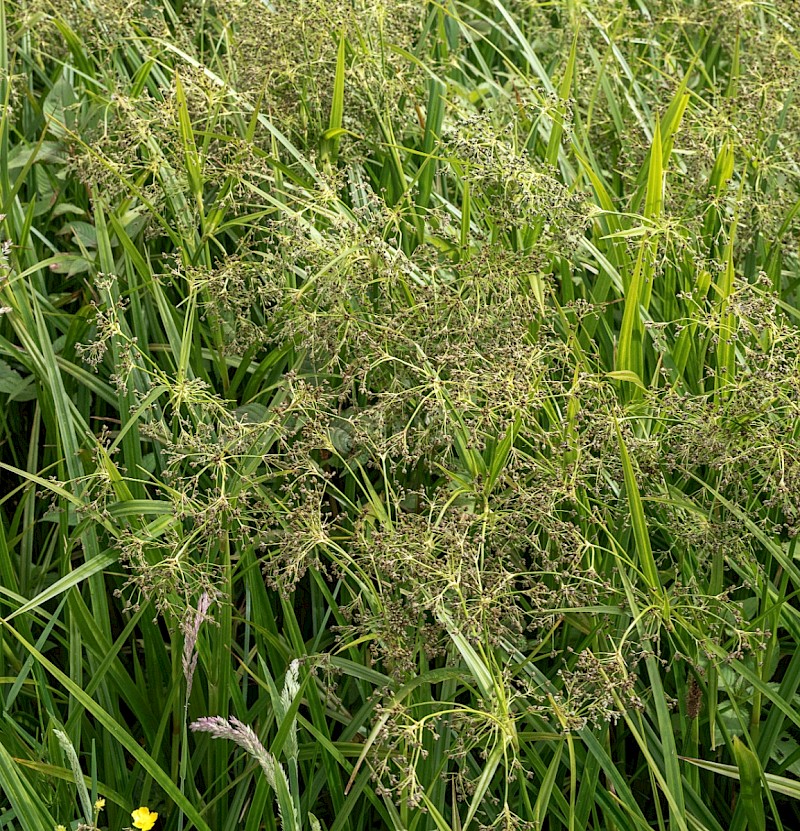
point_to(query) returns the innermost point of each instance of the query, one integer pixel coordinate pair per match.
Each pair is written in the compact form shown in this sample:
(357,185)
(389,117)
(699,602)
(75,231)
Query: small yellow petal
(100,804)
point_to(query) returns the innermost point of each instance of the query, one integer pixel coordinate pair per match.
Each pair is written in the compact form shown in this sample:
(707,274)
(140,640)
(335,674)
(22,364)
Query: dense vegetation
(399,415)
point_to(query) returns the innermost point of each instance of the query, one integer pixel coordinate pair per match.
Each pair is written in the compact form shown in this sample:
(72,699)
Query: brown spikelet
(694,699)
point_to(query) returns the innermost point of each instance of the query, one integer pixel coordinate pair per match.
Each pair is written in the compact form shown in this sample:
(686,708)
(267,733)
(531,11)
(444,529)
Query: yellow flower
(99,805)
(61,828)
(144,818)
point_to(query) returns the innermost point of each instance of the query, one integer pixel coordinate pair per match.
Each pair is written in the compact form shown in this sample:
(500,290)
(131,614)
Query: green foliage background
(404,396)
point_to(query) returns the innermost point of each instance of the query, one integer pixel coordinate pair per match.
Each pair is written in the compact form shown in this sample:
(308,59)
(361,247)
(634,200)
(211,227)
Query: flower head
(144,818)
(99,805)
(191,629)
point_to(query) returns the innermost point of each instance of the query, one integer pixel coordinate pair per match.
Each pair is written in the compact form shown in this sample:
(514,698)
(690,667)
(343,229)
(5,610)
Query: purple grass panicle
(191,629)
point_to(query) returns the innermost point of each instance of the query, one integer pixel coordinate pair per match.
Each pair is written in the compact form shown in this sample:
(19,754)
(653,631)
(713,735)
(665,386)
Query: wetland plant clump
(404,394)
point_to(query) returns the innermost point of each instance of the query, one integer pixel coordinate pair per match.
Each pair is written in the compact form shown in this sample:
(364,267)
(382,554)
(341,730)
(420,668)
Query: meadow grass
(399,415)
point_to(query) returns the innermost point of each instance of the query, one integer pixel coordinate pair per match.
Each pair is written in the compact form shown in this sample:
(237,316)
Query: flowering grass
(399,415)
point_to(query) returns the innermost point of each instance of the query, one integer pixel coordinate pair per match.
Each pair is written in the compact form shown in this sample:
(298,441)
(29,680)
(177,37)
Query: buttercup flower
(144,818)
